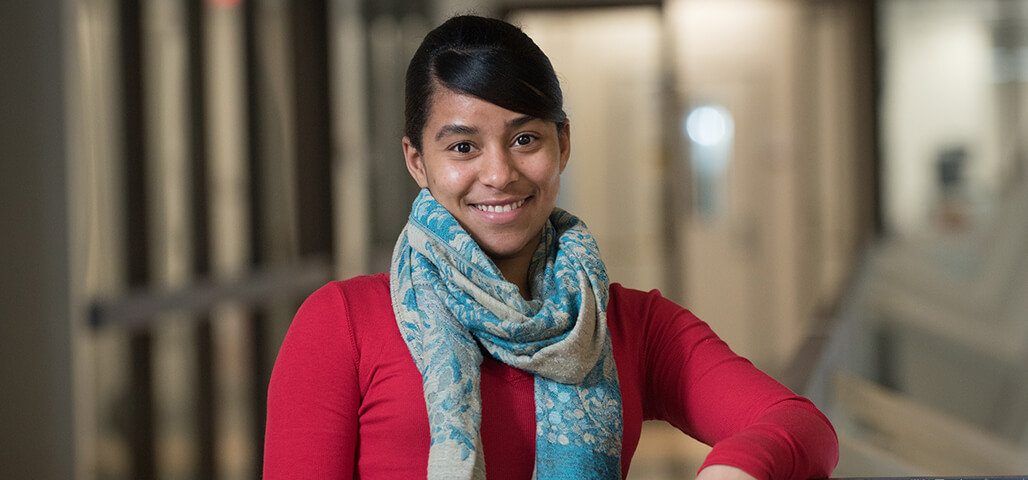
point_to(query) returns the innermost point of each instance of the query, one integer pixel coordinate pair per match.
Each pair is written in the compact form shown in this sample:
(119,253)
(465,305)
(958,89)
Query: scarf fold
(451,302)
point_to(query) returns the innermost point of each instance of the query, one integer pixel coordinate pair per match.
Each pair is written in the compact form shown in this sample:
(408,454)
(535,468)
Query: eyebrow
(457,129)
(454,129)
(517,122)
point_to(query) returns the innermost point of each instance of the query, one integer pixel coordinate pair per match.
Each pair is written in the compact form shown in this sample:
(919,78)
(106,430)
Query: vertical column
(35,439)
(268,131)
(392,189)
(868,221)
(98,246)
(173,122)
(229,184)
(1010,43)
(136,232)
(350,158)
(94,176)
(310,71)
(196,132)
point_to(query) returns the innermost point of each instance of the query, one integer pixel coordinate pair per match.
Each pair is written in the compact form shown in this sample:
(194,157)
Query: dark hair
(485,58)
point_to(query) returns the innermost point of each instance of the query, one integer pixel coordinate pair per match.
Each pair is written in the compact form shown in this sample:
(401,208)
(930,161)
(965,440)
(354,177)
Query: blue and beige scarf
(451,302)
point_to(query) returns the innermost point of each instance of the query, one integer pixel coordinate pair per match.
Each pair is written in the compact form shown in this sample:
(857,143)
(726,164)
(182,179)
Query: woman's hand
(723,472)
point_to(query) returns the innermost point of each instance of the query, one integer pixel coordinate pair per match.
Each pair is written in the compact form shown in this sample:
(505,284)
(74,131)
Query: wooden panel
(924,437)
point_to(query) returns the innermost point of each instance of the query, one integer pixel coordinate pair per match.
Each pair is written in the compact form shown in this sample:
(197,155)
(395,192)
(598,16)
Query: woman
(496,344)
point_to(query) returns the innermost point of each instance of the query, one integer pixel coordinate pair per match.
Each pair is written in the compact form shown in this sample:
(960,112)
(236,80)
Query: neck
(516,271)
(515,267)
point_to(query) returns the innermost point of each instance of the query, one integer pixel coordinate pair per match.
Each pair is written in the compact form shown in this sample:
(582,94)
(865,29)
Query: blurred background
(837,186)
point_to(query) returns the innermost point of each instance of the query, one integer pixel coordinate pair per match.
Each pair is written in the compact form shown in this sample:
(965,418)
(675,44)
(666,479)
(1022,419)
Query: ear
(564,143)
(415,163)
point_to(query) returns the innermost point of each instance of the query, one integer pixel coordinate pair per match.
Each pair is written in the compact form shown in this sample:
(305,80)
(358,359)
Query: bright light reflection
(709,125)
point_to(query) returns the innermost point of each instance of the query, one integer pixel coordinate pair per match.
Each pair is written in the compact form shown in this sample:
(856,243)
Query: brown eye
(463,147)
(524,140)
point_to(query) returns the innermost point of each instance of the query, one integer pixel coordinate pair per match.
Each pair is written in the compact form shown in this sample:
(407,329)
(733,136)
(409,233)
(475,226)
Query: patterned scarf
(451,302)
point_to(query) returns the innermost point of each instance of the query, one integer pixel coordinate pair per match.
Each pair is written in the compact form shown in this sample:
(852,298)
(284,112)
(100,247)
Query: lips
(500,208)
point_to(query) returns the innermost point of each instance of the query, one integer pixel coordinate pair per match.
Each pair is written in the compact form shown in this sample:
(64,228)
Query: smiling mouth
(500,208)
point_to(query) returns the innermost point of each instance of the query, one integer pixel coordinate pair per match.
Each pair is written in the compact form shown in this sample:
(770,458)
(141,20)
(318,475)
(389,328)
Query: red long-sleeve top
(345,399)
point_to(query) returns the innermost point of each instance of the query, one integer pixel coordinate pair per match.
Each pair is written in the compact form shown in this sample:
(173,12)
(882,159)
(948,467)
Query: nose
(498,169)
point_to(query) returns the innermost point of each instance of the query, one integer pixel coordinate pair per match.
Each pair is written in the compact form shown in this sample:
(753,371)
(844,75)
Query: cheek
(545,174)
(448,180)
(455,177)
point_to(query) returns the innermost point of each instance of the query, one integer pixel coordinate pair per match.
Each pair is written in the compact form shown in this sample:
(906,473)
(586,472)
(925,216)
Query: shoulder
(357,287)
(347,298)
(642,319)
(343,311)
(628,313)
(624,297)
(631,305)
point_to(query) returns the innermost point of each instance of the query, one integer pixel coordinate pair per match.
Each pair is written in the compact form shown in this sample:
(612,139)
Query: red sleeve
(313,397)
(695,382)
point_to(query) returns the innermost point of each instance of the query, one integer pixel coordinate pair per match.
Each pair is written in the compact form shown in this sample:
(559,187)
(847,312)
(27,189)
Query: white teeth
(501,208)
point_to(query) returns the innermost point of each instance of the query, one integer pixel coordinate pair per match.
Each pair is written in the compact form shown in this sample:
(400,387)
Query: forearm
(791,441)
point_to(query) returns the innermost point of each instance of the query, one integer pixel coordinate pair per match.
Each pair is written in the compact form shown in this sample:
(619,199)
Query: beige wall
(777,251)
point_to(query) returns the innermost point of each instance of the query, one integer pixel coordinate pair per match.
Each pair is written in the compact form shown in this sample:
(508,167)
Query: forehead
(451,107)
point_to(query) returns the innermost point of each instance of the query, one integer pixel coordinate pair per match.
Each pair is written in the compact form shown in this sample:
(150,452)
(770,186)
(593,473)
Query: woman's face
(496,171)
